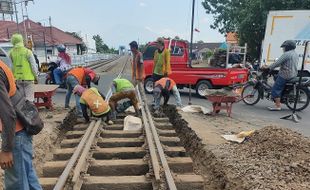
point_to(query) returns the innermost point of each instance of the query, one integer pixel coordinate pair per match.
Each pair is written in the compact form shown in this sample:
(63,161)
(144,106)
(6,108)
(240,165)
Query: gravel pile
(273,158)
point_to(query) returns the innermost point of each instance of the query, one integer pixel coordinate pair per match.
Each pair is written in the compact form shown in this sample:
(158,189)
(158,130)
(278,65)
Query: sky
(119,22)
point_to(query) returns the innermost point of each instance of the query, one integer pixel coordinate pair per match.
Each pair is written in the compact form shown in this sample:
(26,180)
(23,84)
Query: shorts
(278,87)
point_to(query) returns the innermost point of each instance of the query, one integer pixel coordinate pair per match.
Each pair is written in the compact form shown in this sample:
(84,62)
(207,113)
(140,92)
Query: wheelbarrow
(219,100)
(44,93)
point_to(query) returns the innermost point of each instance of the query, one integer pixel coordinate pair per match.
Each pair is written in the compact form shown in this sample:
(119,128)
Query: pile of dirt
(273,158)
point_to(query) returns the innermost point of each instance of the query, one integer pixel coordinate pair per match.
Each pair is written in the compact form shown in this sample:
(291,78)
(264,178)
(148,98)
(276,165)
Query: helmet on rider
(61,48)
(288,45)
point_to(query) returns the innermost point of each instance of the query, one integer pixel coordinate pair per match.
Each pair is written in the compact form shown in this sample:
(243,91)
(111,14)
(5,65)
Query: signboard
(6,7)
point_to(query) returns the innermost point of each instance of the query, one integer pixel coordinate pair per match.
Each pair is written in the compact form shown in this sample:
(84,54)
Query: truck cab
(185,75)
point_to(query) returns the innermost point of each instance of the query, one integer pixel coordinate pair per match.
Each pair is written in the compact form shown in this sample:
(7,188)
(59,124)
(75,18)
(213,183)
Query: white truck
(286,25)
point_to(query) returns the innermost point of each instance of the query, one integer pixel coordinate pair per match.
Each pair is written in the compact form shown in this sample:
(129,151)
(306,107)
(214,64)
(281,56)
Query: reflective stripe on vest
(162,83)
(78,73)
(122,84)
(22,69)
(12,90)
(95,102)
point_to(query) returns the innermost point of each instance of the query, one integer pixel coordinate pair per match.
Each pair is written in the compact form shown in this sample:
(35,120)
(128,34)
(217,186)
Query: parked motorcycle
(50,75)
(258,88)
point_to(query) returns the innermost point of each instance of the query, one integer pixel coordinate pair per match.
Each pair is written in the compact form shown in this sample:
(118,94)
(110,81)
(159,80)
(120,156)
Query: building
(44,38)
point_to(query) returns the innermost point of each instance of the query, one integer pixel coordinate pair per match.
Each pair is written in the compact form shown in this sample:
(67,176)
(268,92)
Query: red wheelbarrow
(218,100)
(43,95)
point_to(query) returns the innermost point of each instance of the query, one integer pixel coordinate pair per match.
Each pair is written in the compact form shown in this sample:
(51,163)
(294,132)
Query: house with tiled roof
(45,38)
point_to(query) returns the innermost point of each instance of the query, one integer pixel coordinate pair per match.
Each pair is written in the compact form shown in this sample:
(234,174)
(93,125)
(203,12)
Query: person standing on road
(24,67)
(288,70)
(162,66)
(137,64)
(79,76)
(163,87)
(16,149)
(93,99)
(122,89)
(64,64)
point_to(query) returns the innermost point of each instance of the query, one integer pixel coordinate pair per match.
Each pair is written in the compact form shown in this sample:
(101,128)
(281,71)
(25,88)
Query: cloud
(142,4)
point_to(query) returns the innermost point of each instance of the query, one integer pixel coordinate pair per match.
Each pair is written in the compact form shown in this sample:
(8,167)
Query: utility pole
(16,15)
(191,51)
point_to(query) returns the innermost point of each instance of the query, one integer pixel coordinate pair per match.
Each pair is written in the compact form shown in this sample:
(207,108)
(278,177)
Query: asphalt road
(257,115)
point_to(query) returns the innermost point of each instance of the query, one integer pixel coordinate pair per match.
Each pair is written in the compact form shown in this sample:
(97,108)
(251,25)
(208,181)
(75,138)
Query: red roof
(4,26)
(52,35)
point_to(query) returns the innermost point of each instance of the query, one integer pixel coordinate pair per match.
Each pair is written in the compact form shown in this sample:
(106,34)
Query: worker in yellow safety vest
(24,67)
(122,89)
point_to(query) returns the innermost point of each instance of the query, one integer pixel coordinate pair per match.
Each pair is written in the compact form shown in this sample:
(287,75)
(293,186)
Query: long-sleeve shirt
(34,65)
(63,65)
(7,115)
(288,65)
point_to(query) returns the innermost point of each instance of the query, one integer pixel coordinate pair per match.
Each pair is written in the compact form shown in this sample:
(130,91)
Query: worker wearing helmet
(64,64)
(288,70)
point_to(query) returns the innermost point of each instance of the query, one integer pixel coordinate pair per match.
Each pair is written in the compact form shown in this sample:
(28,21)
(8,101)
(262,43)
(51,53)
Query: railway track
(98,156)
(104,65)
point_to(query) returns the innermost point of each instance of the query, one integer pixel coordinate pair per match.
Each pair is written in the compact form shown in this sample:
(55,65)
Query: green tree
(247,18)
(100,46)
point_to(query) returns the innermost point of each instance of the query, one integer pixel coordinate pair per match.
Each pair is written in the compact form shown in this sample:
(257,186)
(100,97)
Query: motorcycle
(50,75)
(258,88)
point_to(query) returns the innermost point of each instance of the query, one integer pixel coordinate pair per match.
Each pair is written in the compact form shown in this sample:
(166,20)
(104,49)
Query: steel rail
(81,165)
(161,153)
(150,141)
(65,174)
(109,94)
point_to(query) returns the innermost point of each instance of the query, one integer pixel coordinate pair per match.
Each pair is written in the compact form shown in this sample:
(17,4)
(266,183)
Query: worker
(163,87)
(16,148)
(162,67)
(93,99)
(24,67)
(137,63)
(122,89)
(79,76)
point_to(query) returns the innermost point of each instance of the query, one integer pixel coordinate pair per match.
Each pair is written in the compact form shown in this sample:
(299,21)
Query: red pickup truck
(184,75)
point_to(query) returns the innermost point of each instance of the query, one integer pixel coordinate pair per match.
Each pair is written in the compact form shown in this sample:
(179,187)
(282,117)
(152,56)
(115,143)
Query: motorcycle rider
(288,70)
(64,64)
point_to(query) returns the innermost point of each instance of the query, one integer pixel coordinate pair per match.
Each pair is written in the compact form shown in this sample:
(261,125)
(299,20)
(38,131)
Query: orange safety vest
(139,72)
(78,73)
(12,90)
(95,102)
(162,82)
